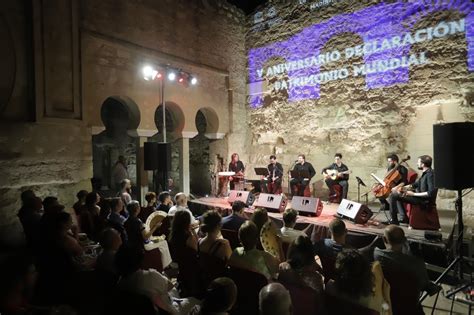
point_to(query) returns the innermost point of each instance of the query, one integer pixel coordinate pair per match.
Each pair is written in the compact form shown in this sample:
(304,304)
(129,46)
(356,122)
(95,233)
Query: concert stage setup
(319,225)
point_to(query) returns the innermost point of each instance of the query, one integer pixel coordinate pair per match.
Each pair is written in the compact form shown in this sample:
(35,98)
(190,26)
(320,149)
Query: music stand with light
(360,183)
(262,171)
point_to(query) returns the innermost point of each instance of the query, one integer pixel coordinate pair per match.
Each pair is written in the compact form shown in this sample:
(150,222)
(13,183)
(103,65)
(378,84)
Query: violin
(382,189)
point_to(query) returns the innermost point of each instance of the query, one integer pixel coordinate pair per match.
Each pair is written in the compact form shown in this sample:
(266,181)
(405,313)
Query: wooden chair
(249,284)
(338,194)
(232,237)
(306,193)
(339,306)
(404,294)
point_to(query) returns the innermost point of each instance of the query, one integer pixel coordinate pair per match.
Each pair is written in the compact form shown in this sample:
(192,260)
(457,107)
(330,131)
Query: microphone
(360,181)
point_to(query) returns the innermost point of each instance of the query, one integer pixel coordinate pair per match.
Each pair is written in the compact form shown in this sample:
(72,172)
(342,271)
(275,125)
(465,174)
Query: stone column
(183,144)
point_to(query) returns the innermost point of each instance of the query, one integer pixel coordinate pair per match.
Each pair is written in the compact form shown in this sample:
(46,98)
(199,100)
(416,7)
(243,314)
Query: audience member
(165,201)
(213,243)
(236,219)
(334,245)
(249,257)
(150,198)
(355,281)
(288,233)
(219,298)
(136,232)
(259,217)
(90,215)
(274,299)
(81,201)
(301,267)
(110,241)
(182,234)
(116,220)
(393,258)
(119,172)
(149,282)
(182,205)
(30,218)
(125,193)
(49,202)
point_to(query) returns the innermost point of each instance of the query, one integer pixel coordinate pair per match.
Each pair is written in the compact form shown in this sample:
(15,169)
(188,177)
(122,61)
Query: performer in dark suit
(272,183)
(236,166)
(298,184)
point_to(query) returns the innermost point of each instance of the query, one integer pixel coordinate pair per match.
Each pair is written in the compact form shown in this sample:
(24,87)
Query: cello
(382,189)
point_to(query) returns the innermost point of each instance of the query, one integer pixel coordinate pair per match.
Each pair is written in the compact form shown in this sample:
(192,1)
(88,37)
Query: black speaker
(354,211)
(157,156)
(452,154)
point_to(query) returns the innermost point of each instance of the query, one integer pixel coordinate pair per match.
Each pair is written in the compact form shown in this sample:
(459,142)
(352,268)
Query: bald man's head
(274,299)
(394,235)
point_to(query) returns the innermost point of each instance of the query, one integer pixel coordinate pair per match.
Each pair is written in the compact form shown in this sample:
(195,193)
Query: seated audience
(149,282)
(274,298)
(136,232)
(219,298)
(213,243)
(150,198)
(81,201)
(125,193)
(334,245)
(50,202)
(235,220)
(301,267)
(288,233)
(165,201)
(394,258)
(30,218)
(249,257)
(259,217)
(90,215)
(182,234)
(115,219)
(110,241)
(182,204)
(356,282)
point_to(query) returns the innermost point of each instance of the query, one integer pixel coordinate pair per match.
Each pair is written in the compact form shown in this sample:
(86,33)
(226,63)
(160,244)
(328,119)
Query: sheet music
(377,179)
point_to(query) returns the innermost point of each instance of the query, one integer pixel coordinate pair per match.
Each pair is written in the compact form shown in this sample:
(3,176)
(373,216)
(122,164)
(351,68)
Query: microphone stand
(359,183)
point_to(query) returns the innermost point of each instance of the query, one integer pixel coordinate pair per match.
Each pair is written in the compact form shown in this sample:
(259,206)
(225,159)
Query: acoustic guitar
(333,174)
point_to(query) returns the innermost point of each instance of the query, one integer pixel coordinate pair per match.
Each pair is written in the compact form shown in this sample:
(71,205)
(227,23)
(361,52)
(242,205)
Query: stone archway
(121,117)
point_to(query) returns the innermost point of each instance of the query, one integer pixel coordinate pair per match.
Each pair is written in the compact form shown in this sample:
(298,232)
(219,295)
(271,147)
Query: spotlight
(181,77)
(194,80)
(171,76)
(149,73)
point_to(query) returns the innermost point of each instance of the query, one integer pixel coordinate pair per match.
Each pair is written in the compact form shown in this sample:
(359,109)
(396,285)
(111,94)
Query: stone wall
(354,116)
(47,127)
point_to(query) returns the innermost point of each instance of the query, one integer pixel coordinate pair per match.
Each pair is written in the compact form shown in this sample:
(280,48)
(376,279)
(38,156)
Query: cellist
(392,162)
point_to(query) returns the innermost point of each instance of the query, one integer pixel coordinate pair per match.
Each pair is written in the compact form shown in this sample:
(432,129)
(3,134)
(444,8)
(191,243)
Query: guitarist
(337,174)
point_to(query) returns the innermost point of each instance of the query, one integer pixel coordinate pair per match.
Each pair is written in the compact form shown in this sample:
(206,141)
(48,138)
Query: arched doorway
(120,115)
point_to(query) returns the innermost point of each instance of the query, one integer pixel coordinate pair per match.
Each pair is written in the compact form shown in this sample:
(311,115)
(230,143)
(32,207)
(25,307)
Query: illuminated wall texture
(373,24)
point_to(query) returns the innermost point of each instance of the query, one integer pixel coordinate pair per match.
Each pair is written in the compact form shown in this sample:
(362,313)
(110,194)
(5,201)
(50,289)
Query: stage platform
(320,224)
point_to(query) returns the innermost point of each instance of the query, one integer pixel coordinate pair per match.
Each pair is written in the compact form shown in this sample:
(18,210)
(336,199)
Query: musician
(236,166)
(393,161)
(300,182)
(422,192)
(272,183)
(342,176)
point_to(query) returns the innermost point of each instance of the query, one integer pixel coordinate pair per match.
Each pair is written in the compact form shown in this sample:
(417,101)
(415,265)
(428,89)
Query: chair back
(338,306)
(210,268)
(403,293)
(304,300)
(125,303)
(249,284)
(328,263)
(232,236)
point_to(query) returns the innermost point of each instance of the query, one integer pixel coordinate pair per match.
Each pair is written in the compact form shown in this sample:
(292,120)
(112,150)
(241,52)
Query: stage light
(181,78)
(171,76)
(194,80)
(149,73)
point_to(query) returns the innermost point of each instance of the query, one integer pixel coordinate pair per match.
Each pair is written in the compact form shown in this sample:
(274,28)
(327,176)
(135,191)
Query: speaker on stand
(157,158)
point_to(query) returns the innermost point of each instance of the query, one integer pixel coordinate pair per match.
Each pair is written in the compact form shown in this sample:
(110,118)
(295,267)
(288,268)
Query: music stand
(262,171)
